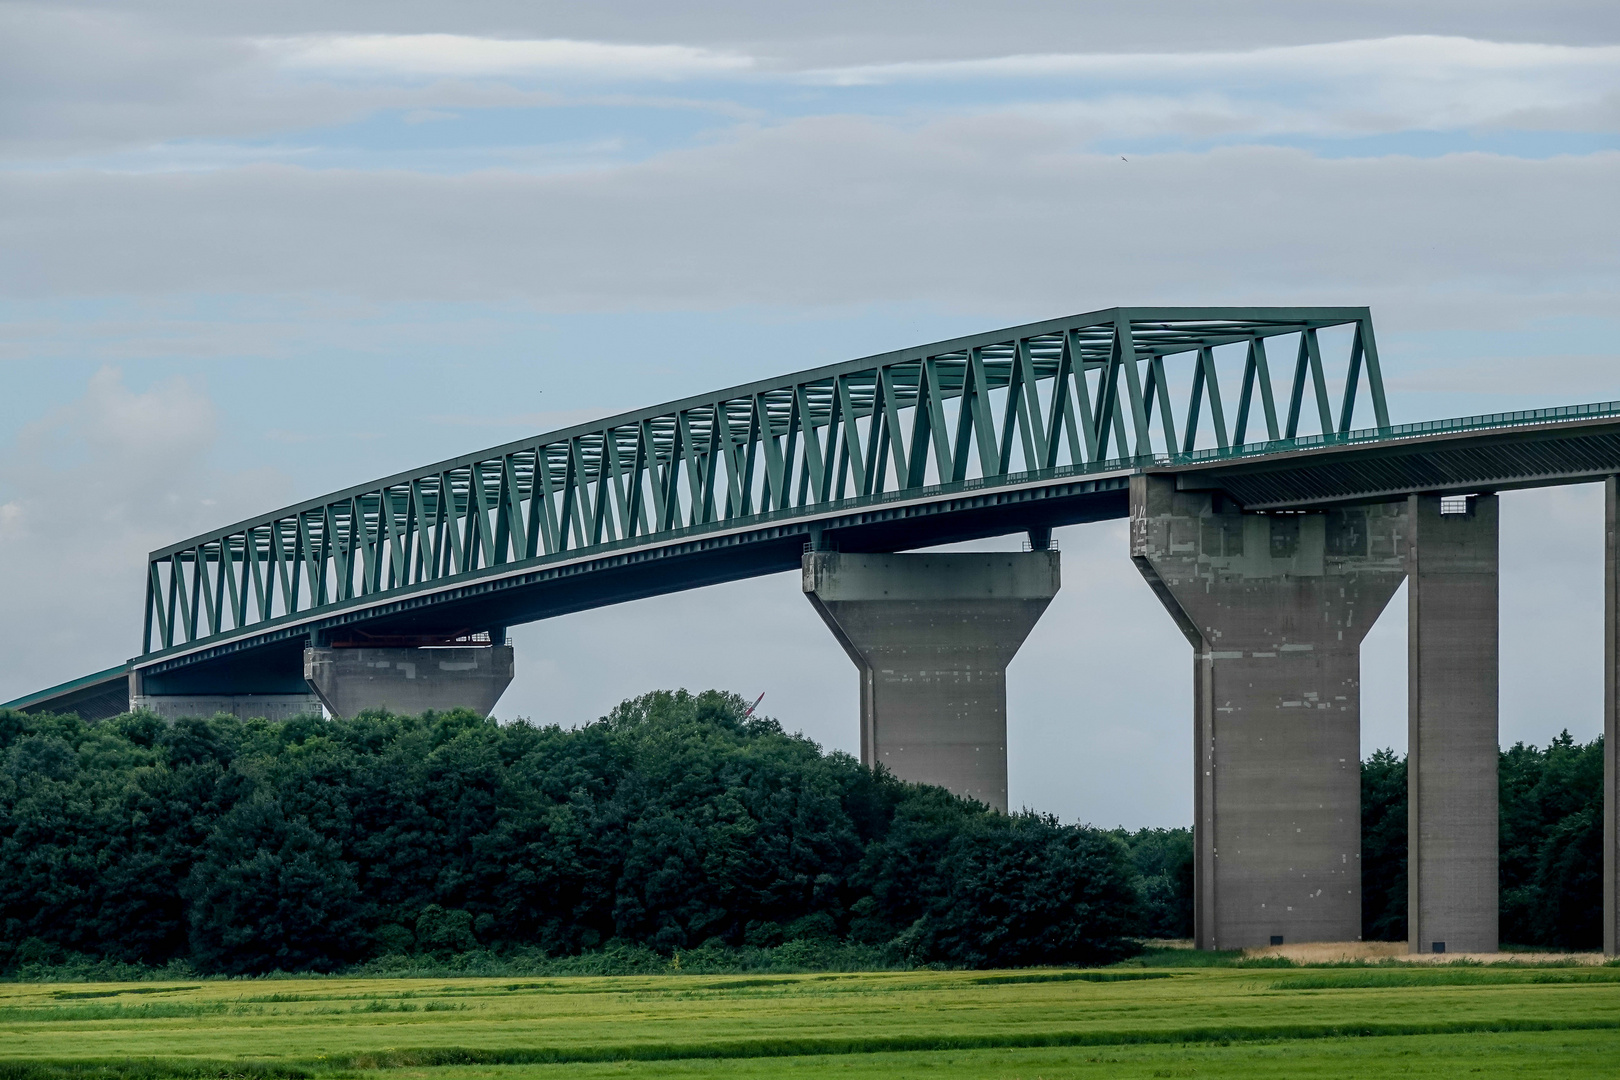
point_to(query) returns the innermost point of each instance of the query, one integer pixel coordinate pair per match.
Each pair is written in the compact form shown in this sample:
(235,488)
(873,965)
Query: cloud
(998,213)
(849,32)
(171,92)
(85,492)
(1429,58)
(460,55)
(1348,87)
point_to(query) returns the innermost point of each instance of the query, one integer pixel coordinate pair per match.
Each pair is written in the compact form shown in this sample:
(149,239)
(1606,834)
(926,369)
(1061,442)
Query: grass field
(1249,1022)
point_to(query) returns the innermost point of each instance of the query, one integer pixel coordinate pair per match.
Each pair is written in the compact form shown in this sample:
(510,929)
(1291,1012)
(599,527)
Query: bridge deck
(1024,428)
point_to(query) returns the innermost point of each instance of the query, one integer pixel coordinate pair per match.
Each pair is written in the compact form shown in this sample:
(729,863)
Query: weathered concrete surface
(1275,606)
(1451,762)
(246,706)
(409,680)
(932,635)
(269,706)
(1611,716)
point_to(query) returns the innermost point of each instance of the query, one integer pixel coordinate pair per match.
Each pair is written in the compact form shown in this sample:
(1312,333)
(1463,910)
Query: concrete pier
(245,706)
(1275,607)
(1451,760)
(1611,716)
(351,680)
(262,696)
(932,635)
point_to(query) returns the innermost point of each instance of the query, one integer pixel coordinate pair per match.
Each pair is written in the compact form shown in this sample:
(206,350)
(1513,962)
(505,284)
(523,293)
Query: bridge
(1272,529)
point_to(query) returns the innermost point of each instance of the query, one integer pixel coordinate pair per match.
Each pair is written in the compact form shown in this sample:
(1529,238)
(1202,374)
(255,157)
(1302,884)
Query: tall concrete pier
(351,680)
(1611,716)
(1275,607)
(1451,759)
(932,635)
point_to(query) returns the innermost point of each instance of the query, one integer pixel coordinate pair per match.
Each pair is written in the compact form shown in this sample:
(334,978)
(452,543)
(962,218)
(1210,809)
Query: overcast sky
(250,253)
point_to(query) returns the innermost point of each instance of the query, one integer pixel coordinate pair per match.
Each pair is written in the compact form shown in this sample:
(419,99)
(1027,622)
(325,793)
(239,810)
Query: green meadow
(1144,1021)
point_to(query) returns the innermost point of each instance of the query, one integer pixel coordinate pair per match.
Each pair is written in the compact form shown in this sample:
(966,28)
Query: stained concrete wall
(1275,607)
(409,680)
(246,706)
(931,635)
(1611,717)
(1451,764)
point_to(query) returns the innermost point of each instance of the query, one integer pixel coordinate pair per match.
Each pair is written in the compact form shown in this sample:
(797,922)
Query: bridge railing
(1084,394)
(1518,418)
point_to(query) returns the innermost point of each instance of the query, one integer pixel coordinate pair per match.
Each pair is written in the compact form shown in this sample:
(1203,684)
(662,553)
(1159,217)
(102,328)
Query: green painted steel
(1483,422)
(109,677)
(1062,397)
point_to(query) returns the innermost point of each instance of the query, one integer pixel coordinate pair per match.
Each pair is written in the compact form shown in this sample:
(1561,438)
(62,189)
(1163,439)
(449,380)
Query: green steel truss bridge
(1271,528)
(1014,430)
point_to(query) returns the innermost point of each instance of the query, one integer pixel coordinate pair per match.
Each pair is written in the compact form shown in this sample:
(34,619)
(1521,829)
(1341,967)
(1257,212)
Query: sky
(252,253)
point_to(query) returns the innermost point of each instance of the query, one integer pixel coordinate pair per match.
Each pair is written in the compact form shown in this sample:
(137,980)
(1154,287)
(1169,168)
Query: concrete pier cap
(409,680)
(932,634)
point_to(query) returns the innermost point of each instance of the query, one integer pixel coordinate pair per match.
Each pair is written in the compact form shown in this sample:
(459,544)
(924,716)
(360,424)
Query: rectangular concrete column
(932,635)
(1611,716)
(409,681)
(1275,607)
(1451,763)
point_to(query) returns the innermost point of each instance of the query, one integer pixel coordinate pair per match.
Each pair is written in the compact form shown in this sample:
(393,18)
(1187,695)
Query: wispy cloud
(1430,58)
(457,55)
(1409,83)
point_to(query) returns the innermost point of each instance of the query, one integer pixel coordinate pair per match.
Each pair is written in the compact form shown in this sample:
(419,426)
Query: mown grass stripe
(1408,978)
(432,1057)
(1072,976)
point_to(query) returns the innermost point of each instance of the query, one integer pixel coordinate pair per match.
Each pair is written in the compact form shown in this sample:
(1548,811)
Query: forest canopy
(673,823)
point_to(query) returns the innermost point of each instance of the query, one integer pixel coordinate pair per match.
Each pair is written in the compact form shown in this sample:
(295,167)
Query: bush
(1163,859)
(1383,847)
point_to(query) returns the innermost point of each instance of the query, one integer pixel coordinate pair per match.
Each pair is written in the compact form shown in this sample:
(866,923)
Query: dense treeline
(1551,845)
(671,824)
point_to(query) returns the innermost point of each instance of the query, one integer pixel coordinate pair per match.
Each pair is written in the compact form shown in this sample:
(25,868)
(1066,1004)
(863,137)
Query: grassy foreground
(1144,1022)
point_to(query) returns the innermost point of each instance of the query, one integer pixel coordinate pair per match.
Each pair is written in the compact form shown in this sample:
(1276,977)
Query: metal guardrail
(1486,421)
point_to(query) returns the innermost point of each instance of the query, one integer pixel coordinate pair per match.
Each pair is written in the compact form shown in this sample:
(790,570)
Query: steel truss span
(1023,428)
(1080,394)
